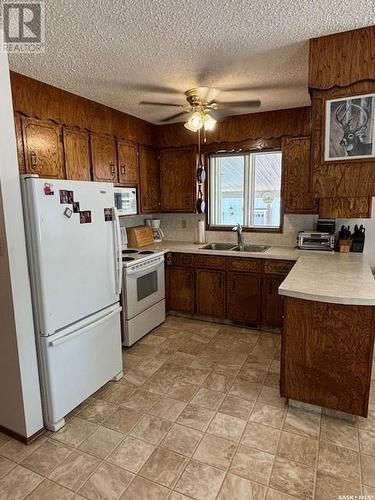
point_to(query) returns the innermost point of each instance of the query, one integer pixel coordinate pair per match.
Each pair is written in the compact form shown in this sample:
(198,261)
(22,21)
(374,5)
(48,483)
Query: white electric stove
(143,292)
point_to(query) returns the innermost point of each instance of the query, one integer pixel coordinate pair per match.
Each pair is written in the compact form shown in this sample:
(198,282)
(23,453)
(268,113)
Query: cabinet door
(272,302)
(149,180)
(210,293)
(43,148)
(297,179)
(103,154)
(180,283)
(19,140)
(127,154)
(243,291)
(177,179)
(77,154)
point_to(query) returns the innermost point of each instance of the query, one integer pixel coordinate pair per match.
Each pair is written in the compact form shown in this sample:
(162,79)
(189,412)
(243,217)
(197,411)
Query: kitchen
(233,364)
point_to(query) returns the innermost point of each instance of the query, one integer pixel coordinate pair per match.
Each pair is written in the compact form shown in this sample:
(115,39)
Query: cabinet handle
(112,165)
(122,168)
(34,160)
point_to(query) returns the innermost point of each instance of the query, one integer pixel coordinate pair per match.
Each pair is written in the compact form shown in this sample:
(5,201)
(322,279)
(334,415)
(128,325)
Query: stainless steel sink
(219,246)
(251,248)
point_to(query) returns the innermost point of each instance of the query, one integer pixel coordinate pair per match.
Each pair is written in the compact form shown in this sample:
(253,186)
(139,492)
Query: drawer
(278,266)
(210,261)
(245,264)
(180,259)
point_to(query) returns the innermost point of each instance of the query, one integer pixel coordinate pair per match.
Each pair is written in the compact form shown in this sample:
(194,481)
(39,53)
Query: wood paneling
(272,302)
(342,59)
(210,293)
(127,156)
(344,178)
(104,161)
(243,297)
(178,179)
(77,154)
(39,100)
(326,354)
(297,192)
(149,180)
(180,287)
(236,129)
(338,208)
(43,148)
(20,152)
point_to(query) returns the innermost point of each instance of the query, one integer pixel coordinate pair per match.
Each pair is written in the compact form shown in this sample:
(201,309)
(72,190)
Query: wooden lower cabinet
(210,293)
(326,354)
(272,302)
(243,297)
(180,286)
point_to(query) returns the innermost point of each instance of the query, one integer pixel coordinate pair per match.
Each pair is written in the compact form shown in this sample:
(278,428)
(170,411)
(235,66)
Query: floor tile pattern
(197,415)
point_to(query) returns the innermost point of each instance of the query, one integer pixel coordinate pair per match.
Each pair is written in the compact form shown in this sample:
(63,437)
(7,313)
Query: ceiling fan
(203,108)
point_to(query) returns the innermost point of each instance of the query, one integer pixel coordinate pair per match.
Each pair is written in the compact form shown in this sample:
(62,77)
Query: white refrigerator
(75,264)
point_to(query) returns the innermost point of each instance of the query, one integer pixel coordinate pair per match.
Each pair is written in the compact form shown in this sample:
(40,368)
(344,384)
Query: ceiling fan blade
(173,117)
(240,104)
(157,89)
(151,103)
(216,114)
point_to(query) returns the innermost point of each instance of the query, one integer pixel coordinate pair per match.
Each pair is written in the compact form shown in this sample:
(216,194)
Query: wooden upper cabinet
(42,146)
(149,180)
(210,293)
(77,154)
(341,208)
(103,155)
(19,140)
(297,189)
(177,179)
(127,154)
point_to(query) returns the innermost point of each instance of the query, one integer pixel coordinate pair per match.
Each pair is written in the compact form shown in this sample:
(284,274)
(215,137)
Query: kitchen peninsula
(327,301)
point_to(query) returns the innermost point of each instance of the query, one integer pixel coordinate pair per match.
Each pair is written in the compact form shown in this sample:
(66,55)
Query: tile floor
(197,415)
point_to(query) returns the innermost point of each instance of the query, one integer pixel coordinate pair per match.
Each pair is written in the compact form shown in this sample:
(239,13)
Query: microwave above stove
(126,200)
(314,240)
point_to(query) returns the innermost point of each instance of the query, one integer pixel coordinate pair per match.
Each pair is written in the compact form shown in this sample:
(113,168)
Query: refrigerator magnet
(68,212)
(76,207)
(108,214)
(48,189)
(85,217)
(66,196)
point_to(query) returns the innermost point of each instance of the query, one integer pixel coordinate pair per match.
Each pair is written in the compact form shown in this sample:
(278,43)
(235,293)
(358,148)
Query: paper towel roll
(201,231)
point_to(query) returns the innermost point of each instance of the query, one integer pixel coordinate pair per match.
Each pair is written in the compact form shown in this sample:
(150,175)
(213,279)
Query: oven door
(143,287)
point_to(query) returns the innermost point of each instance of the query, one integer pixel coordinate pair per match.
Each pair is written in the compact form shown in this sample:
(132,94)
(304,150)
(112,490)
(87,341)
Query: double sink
(229,247)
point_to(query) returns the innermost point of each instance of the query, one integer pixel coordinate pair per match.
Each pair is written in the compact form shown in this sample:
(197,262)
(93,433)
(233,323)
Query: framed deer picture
(350,128)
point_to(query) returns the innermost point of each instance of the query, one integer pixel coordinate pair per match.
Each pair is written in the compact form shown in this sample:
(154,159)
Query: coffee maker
(157,231)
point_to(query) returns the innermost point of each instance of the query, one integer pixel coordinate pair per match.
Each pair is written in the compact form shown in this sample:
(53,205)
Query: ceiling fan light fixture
(195,122)
(209,122)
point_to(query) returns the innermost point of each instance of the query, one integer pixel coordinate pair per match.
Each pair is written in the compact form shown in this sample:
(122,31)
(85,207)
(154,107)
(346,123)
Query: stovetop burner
(130,251)
(127,259)
(146,252)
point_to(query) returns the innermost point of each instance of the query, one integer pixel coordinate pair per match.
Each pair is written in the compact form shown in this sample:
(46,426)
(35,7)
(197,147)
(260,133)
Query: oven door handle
(153,266)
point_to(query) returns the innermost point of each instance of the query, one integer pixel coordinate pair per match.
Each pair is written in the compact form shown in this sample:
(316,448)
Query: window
(245,188)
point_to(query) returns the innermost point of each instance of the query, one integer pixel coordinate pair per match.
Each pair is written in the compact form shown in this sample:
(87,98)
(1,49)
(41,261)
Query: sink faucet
(238,229)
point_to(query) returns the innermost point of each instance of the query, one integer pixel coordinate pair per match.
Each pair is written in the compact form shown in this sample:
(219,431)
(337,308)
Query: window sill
(245,229)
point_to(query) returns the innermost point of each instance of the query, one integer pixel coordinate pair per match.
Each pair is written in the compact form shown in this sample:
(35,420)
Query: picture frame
(350,128)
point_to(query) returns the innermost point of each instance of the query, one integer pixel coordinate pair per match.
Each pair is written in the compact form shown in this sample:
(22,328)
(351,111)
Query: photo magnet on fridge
(108,214)
(66,196)
(48,189)
(76,207)
(85,217)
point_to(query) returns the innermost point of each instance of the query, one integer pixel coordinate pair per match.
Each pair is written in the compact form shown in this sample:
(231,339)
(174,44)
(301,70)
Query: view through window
(245,188)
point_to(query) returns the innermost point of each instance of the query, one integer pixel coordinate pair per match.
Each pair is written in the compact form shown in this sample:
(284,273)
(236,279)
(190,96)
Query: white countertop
(321,276)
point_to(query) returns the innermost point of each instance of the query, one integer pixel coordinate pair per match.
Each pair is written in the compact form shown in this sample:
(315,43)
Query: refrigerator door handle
(79,331)
(118,250)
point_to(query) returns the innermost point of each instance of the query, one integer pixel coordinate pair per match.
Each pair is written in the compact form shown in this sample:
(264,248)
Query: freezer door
(78,361)
(74,252)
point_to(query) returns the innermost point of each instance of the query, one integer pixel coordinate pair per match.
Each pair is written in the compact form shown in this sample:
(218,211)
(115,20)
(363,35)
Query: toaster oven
(315,240)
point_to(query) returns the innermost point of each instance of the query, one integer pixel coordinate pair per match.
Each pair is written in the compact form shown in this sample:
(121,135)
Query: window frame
(248,229)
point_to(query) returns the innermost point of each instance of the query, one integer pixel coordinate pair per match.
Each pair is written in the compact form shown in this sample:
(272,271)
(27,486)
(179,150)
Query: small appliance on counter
(157,230)
(315,240)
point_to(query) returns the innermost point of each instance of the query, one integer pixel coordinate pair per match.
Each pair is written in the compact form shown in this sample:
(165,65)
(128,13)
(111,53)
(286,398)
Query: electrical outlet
(183,223)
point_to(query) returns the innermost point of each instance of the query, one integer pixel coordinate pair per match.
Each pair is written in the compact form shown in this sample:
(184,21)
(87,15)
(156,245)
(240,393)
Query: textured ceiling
(113,51)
